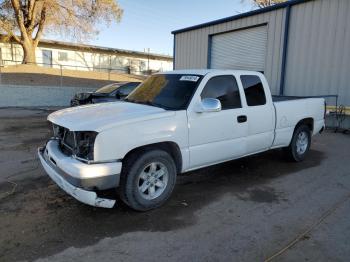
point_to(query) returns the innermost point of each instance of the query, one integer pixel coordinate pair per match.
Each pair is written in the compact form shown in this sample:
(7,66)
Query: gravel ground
(253,209)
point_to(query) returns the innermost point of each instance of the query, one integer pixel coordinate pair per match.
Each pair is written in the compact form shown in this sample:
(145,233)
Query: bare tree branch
(32,14)
(77,19)
(9,32)
(41,26)
(19,17)
(266,3)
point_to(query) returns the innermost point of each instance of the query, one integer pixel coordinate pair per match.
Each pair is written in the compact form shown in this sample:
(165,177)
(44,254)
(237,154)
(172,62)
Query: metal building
(302,46)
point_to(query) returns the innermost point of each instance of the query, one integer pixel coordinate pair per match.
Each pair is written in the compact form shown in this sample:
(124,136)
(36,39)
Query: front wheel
(147,180)
(300,144)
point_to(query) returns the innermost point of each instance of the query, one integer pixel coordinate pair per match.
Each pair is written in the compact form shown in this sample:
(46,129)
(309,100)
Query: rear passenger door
(260,114)
(217,136)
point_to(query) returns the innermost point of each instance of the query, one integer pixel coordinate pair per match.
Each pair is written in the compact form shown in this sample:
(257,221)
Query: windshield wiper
(149,103)
(128,100)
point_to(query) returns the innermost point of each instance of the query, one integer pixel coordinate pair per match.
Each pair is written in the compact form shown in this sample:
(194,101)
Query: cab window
(225,89)
(253,90)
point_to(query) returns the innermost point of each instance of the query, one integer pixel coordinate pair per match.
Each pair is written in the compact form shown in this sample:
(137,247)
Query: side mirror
(208,105)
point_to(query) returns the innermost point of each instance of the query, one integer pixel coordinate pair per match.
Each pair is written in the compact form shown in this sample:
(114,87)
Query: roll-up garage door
(243,49)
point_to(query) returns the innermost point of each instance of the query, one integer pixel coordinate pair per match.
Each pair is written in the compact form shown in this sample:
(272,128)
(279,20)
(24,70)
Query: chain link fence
(40,84)
(41,74)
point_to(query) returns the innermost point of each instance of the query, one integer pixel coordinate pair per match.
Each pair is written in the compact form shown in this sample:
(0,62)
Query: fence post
(61,75)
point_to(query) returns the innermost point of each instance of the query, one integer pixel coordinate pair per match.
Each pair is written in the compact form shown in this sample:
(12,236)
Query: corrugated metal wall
(318,59)
(318,54)
(191,48)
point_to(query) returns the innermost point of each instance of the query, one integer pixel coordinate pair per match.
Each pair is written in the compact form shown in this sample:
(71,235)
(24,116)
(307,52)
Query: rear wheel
(147,180)
(300,144)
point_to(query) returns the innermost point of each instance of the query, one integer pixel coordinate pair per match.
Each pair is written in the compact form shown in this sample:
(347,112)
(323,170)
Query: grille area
(66,139)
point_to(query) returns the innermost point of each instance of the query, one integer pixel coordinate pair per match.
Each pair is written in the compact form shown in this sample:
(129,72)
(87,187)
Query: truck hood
(98,117)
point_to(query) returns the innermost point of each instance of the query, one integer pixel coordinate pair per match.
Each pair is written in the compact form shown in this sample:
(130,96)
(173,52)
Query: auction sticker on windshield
(189,78)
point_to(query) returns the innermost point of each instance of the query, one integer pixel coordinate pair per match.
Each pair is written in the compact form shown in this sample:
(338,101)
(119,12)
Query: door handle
(241,119)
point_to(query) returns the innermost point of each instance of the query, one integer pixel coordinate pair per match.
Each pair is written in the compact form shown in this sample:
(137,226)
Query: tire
(300,144)
(147,179)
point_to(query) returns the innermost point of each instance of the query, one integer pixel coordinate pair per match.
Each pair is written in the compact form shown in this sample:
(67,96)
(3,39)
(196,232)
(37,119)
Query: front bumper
(56,165)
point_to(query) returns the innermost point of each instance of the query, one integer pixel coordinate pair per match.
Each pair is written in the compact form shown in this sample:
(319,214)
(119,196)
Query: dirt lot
(251,209)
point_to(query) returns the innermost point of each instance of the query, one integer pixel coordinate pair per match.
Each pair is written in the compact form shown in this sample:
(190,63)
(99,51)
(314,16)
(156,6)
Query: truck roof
(206,71)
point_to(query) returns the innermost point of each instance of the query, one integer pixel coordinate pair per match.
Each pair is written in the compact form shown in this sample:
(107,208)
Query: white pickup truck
(172,123)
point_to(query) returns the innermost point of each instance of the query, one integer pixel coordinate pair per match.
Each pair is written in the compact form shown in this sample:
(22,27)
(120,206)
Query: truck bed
(287,98)
(289,111)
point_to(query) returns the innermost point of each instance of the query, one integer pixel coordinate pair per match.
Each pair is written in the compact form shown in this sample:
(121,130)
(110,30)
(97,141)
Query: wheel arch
(290,150)
(309,122)
(168,146)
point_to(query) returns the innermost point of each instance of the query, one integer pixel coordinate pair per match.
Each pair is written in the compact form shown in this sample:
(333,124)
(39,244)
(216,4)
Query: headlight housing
(79,144)
(85,141)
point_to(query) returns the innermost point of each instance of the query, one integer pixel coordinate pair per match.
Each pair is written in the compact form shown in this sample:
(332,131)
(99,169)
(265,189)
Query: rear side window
(254,90)
(225,89)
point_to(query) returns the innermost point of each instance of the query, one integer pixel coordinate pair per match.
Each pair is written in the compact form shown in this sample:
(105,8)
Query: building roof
(99,49)
(207,71)
(239,16)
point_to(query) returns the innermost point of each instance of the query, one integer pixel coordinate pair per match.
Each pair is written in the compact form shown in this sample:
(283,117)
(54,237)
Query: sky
(148,23)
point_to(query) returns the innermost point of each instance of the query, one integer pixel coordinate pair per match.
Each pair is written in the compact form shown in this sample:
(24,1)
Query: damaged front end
(78,144)
(68,158)
(56,174)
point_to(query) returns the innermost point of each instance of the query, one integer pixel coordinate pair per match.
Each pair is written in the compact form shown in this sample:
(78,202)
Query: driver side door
(218,136)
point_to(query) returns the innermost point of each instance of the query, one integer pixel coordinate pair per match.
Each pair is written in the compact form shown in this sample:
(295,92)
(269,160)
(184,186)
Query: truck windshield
(168,91)
(107,89)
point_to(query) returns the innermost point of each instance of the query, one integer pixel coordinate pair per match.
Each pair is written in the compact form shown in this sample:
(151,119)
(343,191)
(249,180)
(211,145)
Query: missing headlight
(79,144)
(85,144)
(58,131)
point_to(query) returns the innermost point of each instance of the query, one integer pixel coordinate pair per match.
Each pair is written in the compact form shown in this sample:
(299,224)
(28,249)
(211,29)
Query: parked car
(108,93)
(172,123)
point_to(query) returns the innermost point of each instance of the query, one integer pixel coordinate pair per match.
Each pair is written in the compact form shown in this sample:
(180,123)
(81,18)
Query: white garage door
(244,49)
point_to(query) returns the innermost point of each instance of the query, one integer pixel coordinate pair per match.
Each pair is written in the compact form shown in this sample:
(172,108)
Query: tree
(266,3)
(24,21)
